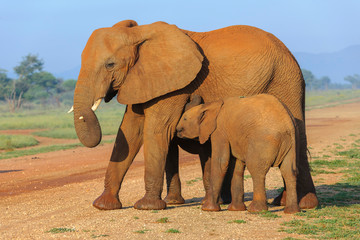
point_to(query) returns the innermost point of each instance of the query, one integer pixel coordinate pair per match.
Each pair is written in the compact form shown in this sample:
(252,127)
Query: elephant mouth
(110,94)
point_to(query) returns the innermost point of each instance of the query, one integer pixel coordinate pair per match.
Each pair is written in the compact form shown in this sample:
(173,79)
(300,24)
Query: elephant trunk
(86,123)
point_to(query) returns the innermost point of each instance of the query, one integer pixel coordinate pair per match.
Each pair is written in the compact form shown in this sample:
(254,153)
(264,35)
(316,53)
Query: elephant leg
(237,187)
(172,175)
(256,163)
(289,176)
(304,184)
(219,165)
(305,187)
(161,118)
(290,96)
(226,187)
(127,144)
(205,160)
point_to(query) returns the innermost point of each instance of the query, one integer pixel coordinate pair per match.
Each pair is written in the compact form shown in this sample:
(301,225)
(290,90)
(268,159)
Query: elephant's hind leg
(288,173)
(237,187)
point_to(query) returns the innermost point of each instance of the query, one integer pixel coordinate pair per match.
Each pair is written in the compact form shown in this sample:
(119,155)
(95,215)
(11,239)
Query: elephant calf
(258,131)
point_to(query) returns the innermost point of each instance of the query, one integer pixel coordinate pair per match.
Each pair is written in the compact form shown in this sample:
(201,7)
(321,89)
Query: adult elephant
(154,69)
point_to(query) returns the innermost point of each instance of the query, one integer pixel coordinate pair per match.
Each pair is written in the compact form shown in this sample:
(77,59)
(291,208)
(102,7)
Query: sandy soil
(56,190)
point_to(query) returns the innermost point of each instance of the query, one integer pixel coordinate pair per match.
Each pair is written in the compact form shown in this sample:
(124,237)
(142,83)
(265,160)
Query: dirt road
(55,190)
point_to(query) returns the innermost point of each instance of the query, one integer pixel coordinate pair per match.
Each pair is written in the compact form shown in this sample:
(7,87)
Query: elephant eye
(109,65)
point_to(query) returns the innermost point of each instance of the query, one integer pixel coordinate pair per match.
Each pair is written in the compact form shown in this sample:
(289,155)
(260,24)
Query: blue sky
(57,30)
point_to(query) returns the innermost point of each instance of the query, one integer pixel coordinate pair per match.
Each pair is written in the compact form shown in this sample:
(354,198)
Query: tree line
(34,85)
(324,83)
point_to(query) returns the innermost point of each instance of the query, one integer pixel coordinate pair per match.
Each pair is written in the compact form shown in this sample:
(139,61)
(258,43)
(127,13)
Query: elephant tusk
(71,109)
(81,117)
(96,105)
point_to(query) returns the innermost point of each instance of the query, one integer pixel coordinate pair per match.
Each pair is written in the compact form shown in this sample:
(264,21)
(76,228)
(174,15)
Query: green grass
(100,235)
(45,149)
(351,153)
(338,215)
(33,151)
(142,231)
(327,223)
(163,220)
(109,116)
(316,98)
(172,230)
(267,214)
(9,142)
(70,133)
(237,221)
(65,133)
(61,230)
(190,182)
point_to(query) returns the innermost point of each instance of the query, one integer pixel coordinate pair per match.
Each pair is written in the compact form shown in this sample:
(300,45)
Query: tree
(69,85)
(27,67)
(41,85)
(309,78)
(325,82)
(5,85)
(354,80)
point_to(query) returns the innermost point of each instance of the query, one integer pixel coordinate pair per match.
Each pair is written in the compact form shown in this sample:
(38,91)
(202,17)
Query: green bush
(9,142)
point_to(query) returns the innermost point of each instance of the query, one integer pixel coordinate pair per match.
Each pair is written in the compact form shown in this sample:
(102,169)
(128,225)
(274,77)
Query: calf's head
(199,121)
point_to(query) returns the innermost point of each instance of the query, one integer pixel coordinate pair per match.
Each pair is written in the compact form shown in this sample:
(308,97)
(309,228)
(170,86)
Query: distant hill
(69,74)
(335,65)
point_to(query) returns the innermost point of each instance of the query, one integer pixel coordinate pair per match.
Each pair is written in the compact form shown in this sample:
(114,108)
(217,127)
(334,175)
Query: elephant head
(199,121)
(138,63)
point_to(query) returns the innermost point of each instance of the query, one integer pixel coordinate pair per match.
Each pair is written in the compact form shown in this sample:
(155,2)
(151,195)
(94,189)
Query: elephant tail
(295,141)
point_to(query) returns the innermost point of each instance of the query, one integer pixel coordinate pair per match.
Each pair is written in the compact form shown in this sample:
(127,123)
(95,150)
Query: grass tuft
(142,231)
(163,220)
(172,230)
(267,214)
(237,221)
(61,230)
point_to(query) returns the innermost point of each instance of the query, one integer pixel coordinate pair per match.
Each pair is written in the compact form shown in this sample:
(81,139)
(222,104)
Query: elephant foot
(237,207)
(147,203)
(257,206)
(174,199)
(292,209)
(107,201)
(206,198)
(209,206)
(280,200)
(310,200)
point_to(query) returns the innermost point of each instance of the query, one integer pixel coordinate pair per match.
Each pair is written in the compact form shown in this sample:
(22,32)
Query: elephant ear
(195,100)
(208,119)
(168,60)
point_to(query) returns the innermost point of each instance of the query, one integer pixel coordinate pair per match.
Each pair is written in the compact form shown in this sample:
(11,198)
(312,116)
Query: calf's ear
(195,100)
(208,119)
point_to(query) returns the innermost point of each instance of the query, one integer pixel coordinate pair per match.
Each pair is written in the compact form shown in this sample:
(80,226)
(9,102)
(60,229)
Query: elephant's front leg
(219,164)
(128,142)
(161,118)
(172,175)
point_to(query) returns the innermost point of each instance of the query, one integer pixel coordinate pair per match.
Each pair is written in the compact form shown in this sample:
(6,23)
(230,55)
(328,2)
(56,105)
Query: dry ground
(56,190)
